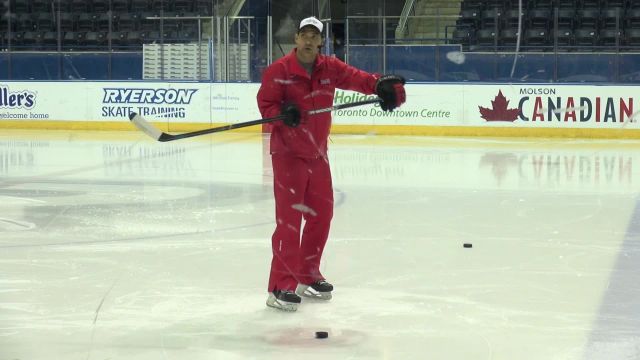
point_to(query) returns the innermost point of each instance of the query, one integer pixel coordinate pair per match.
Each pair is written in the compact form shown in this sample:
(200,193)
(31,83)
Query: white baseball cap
(311,21)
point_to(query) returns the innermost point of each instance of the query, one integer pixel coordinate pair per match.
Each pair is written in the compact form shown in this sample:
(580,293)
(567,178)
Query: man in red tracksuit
(301,81)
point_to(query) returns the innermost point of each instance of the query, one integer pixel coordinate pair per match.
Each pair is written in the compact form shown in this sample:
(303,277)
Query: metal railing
(406,10)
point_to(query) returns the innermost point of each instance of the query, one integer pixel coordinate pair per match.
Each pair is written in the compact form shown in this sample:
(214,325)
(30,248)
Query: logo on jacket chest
(325,81)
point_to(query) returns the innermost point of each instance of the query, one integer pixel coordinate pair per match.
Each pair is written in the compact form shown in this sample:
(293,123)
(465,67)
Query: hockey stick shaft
(169,137)
(344,106)
(150,130)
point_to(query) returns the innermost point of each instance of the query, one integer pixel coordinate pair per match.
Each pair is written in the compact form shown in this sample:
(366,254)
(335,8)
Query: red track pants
(302,188)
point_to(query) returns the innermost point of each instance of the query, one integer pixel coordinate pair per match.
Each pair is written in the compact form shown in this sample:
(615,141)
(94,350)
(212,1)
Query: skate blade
(308,292)
(281,305)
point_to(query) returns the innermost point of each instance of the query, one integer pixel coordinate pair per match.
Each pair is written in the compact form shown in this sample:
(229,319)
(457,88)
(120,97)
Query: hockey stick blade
(158,135)
(144,126)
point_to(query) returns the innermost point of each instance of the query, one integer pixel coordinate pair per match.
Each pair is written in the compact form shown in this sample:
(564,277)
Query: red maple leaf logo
(499,112)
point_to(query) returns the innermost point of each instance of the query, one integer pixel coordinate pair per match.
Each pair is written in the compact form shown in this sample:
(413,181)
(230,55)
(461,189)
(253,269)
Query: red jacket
(285,82)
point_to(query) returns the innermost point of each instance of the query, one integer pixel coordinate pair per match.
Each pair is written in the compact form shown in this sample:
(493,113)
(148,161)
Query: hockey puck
(322,334)
(467,245)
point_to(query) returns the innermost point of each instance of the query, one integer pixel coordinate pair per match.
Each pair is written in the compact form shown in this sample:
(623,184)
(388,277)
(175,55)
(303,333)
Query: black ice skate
(283,300)
(320,289)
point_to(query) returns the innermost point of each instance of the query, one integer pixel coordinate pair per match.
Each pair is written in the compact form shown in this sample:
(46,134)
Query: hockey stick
(146,127)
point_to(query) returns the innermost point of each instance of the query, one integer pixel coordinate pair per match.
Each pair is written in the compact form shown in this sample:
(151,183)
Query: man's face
(308,42)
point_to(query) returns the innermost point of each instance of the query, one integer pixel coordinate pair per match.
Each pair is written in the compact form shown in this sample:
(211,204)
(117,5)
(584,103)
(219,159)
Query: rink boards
(431,109)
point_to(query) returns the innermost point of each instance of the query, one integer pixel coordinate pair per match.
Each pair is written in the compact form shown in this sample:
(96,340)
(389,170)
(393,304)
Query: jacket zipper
(313,103)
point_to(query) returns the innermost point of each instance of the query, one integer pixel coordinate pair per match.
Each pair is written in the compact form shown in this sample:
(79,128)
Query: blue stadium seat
(67,21)
(486,37)
(50,40)
(24,22)
(472,4)
(203,7)
(632,39)
(189,25)
(125,22)
(469,18)
(140,5)
(150,36)
(609,37)
(586,38)
(85,22)
(147,24)
(463,37)
(566,4)
(183,6)
(539,18)
(508,37)
(103,21)
(80,37)
(563,36)
(45,21)
(92,40)
(29,40)
(169,36)
(541,4)
(613,3)
(612,18)
(535,39)
(38,6)
(16,39)
(121,6)
(80,6)
(490,18)
(566,18)
(69,42)
(100,6)
(119,39)
(166,5)
(20,6)
(590,4)
(588,17)
(632,18)
(133,39)
(494,4)
(511,18)
(4,27)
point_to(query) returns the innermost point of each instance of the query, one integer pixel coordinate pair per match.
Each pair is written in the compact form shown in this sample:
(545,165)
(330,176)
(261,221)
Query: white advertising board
(557,106)
(426,105)
(502,105)
(433,104)
(114,101)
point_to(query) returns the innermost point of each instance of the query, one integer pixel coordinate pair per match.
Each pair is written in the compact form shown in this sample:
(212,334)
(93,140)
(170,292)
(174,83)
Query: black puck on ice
(322,334)
(467,245)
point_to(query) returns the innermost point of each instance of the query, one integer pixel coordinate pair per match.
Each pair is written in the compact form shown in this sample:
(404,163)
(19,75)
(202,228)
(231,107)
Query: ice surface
(116,246)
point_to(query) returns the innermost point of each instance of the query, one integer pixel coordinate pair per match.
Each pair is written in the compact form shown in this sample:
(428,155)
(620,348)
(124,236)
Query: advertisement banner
(555,106)
(160,102)
(234,102)
(428,105)
(103,101)
(21,102)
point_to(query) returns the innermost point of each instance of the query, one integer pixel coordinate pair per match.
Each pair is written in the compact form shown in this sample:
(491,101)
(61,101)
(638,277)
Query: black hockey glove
(291,115)
(390,88)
